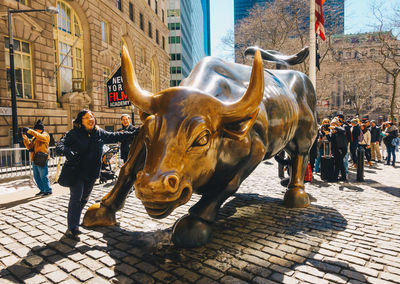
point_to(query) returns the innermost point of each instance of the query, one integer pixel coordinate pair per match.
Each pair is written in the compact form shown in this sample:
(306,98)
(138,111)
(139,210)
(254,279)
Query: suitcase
(327,163)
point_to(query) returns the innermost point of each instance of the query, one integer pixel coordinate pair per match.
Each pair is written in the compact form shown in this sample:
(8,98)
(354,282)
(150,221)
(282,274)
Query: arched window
(68,47)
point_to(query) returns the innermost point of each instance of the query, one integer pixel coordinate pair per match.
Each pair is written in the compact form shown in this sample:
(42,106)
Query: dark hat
(39,125)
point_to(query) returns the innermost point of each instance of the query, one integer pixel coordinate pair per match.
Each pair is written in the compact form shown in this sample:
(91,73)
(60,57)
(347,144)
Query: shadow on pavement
(395,191)
(18,202)
(250,240)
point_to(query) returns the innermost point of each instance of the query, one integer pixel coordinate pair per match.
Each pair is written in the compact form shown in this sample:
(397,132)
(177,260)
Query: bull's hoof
(296,198)
(99,215)
(189,232)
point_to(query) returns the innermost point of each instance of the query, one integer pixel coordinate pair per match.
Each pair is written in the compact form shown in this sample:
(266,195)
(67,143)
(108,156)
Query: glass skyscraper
(189,36)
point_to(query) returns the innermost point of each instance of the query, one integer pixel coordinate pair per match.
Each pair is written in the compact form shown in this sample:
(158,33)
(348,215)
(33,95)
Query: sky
(358,18)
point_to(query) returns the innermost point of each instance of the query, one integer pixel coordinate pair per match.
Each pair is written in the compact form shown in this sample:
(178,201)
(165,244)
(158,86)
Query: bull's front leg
(195,229)
(103,213)
(295,196)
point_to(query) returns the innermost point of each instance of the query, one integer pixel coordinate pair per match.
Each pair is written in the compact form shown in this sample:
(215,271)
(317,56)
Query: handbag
(40,159)
(68,175)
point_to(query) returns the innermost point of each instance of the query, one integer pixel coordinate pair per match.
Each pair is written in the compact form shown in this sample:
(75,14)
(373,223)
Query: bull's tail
(281,60)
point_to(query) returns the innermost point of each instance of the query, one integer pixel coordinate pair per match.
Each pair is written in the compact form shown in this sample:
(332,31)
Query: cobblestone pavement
(349,234)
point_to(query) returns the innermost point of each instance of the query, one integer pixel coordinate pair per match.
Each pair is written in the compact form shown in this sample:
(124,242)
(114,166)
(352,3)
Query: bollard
(360,164)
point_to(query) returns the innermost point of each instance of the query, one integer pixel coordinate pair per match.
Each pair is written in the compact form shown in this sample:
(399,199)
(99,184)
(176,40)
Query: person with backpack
(338,138)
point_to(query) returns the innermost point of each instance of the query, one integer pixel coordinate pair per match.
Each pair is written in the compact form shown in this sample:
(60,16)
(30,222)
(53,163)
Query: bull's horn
(249,102)
(138,97)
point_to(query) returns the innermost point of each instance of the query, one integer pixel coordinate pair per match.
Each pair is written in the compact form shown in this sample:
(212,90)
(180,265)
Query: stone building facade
(351,83)
(63,61)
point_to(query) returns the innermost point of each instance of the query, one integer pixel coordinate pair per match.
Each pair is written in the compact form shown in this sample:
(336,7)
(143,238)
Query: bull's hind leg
(295,196)
(103,213)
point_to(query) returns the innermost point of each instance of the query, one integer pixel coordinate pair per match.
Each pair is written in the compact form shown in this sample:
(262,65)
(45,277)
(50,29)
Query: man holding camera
(39,146)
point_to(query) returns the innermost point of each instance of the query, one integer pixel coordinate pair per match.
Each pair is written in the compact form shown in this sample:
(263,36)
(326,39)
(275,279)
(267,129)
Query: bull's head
(184,129)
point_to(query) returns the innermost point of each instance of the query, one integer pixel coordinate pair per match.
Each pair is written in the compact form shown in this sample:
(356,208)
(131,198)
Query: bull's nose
(171,182)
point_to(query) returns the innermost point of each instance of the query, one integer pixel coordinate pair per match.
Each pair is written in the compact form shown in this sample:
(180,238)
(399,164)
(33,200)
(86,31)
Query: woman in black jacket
(83,146)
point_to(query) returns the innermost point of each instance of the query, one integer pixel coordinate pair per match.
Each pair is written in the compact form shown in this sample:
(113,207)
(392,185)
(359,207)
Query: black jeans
(80,193)
(353,152)
(367,152)
(338,155)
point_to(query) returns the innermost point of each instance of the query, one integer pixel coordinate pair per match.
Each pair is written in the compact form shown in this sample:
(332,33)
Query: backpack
(341,140)
(361,136)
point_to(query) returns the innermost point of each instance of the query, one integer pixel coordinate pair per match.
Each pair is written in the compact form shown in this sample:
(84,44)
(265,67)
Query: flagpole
(313,55)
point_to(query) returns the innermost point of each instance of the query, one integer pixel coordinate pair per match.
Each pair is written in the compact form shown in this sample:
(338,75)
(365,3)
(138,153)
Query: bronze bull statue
(206,136)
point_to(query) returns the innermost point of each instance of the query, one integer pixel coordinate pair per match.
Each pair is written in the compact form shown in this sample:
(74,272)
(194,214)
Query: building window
(131,14)
(119,4)
(163,42)
(157,37)
(106,75)
(174,39)
(22,67)
(104,31)
(141,21)
(162,15)
(174,26)
(175,56)
(25,2)
(156,7)
(68,45)
(150,31)
(176,70)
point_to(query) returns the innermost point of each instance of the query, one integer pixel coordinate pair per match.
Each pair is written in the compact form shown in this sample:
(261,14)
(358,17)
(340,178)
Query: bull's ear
(239,129)
(143,115)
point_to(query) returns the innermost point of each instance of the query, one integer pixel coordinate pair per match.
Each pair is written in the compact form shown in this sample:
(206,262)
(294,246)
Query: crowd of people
(341,139)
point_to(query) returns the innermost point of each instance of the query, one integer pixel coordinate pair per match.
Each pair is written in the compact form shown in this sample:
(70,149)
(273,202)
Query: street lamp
(52,10)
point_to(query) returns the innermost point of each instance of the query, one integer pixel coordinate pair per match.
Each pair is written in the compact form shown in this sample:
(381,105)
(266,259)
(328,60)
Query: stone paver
(349,234)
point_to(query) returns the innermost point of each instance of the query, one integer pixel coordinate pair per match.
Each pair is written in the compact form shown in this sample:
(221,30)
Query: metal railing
(15,163)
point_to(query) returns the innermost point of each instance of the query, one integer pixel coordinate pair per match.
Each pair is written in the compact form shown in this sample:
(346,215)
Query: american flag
(319,19)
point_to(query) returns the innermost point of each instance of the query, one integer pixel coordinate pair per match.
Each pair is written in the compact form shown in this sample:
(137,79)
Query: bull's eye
(202,139)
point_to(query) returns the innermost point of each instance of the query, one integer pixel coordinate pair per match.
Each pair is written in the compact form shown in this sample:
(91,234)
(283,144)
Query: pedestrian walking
(83,146)
(126,126)
(38,147)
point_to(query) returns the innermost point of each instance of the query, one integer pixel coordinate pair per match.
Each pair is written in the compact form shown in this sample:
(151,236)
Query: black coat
(355,132)
(125,145)
(86,148)
(375,133)
(338,139)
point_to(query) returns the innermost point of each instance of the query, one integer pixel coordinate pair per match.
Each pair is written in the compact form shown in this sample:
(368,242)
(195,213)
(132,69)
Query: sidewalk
(349,234)
(15,192)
